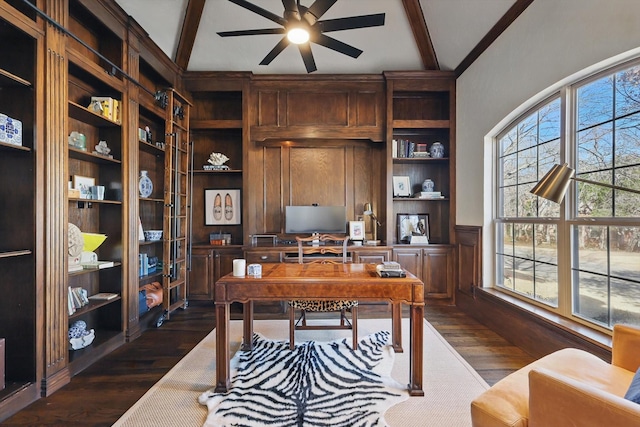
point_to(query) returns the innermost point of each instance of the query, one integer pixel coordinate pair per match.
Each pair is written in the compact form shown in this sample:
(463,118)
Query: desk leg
(222,348)
(415,348)
(396,325)
(247,326)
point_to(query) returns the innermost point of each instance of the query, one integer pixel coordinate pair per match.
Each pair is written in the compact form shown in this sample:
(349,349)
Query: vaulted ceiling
(416,35)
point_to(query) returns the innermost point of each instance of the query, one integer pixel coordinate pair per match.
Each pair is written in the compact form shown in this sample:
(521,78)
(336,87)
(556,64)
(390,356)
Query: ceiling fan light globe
(298,35)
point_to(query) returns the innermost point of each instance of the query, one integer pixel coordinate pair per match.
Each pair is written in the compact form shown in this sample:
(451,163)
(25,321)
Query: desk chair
(306,306)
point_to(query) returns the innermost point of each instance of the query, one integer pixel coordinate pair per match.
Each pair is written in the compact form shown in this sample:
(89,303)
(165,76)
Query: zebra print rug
(317,384)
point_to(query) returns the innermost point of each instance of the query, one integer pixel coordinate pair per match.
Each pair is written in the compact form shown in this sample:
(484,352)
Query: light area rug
(449,383)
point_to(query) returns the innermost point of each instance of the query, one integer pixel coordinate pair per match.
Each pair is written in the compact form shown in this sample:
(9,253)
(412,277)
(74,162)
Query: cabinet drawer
(260,257)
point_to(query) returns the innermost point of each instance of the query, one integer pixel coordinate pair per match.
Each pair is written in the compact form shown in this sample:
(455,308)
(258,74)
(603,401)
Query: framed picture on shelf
(401,186)
(413,228)
(83,184)
(222,207)
(356,230)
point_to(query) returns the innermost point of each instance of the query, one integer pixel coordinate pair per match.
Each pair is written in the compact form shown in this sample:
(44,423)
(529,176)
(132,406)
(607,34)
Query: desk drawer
(260,257)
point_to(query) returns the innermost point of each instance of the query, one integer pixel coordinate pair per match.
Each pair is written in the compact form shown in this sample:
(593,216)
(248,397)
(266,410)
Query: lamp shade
(554,184)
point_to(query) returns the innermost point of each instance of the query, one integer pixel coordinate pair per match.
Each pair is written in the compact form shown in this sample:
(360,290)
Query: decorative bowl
(153,235)
(92,241)
(83,341)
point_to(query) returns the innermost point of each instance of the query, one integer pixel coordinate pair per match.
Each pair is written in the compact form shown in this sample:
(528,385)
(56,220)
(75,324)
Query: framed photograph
(222,207)
(83,184)
(401,186)
(413,227)
(356,230)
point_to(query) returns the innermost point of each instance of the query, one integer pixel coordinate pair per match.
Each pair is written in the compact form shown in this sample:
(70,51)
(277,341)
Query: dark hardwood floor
(99,395)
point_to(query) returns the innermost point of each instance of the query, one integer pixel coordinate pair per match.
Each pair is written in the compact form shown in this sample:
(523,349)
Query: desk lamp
(554,184)
(369,211)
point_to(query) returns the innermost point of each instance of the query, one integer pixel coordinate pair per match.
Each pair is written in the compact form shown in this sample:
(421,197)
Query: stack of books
(77,298)
(390,269)
(429,195)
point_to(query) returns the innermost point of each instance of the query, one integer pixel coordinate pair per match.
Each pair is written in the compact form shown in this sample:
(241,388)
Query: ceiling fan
(299,19)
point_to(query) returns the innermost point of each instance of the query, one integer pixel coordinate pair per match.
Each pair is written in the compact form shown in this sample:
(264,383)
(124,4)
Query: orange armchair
(567,387)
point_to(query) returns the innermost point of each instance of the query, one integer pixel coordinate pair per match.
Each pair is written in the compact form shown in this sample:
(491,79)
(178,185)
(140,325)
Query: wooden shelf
(421,124)
(198,171)
(6,146)
(149,277)
(417,199)
(94,69)
(150,242)
(151,199)
(9,79)
(11,254)
(85,115)
(102,202)
(77,153)
(151,148)
(93,305)
(420,160)
(93,270)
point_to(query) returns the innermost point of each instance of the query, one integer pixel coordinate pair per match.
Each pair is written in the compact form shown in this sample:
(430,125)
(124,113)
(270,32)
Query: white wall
(551,41)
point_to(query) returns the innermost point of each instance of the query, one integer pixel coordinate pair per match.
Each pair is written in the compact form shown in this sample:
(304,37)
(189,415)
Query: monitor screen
(315,219)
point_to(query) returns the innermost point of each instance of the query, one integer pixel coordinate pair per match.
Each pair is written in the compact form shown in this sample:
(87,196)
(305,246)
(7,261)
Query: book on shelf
(429,195)
(103,296)
(97,265)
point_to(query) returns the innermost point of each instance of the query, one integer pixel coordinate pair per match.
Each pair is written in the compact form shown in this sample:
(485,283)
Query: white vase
(145,186)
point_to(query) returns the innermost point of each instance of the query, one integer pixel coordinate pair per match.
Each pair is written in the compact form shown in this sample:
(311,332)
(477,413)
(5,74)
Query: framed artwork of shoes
(222,206)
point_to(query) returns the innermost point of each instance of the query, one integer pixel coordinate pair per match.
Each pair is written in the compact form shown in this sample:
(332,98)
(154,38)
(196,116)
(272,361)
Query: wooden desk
(284,281)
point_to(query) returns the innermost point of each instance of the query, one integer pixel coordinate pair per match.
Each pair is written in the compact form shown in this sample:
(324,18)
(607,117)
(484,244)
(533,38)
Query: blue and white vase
(428,185)
(436,150)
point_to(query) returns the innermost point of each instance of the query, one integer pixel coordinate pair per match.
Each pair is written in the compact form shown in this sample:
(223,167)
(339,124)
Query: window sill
(600,339)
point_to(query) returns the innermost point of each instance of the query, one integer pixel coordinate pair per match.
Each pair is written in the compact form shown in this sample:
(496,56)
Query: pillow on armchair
(633,394)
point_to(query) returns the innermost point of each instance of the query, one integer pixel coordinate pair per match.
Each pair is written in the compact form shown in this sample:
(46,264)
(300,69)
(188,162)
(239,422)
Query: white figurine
(217,159)
(102,148)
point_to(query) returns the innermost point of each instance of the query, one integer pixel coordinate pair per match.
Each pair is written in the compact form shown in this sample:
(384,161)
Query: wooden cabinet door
(201,276)
(437,272)
(224,263)
(410,259)
(370,257)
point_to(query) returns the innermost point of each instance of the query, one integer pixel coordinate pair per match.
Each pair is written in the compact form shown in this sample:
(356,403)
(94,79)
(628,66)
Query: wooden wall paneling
(317,175)
(469,254)
(274,183)
(340,109)
(56,351)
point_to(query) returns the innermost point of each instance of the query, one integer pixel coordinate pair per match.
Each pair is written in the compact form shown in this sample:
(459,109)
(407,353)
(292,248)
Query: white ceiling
(455,27)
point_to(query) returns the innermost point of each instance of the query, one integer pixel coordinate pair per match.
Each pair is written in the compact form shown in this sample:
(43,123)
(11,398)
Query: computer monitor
(315,219)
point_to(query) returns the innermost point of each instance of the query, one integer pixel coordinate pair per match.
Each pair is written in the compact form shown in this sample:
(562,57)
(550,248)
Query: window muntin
(526,260)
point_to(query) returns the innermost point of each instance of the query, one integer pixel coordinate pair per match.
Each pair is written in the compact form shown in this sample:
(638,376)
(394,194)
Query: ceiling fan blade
(307,57)
(251,32)
(282,44)
(260,11)
(336,45)
(351,23)
(317,9)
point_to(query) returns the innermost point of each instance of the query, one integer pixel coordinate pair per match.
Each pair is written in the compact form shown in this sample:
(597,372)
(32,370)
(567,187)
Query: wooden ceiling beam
(507,19)
(188,33)
(421,34)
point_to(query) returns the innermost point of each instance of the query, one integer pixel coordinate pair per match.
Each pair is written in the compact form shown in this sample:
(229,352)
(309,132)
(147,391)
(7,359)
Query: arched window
(580,258)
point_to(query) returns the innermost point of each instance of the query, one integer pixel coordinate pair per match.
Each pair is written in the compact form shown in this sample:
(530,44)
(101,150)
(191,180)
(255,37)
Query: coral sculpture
(217,159)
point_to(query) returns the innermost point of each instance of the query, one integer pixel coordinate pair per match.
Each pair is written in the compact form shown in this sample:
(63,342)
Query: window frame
(568,218)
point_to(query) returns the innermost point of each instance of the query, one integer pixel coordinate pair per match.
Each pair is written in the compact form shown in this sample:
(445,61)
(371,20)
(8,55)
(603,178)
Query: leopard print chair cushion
(315,305)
